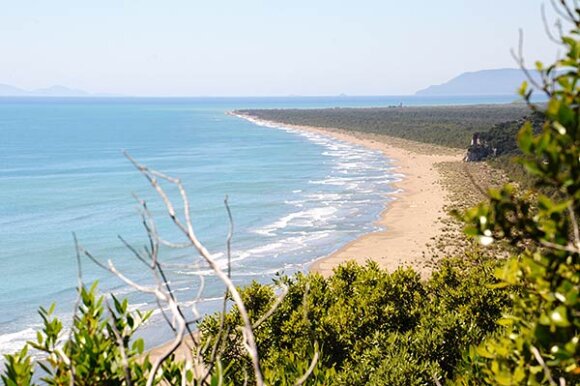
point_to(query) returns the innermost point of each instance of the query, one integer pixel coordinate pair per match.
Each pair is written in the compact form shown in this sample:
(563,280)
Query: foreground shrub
(364,326)
(372,327)
(540,343)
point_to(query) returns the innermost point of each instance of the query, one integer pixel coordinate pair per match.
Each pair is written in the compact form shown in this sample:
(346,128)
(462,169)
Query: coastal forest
(450,126)
(504,310)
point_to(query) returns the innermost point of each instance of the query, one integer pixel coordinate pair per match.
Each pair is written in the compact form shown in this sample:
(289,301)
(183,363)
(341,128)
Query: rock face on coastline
(479,149)
(500,139)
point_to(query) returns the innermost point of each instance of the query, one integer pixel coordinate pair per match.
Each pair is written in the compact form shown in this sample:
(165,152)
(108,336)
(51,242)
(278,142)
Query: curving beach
(410,222)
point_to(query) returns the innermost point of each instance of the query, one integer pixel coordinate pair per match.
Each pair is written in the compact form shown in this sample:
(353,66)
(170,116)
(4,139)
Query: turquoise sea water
(295,197)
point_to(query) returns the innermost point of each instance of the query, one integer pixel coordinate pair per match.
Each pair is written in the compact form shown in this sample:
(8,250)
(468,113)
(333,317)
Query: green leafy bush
(539,344)
(364,326)
(372,327)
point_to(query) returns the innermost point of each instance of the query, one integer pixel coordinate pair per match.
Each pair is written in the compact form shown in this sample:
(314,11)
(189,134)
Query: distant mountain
(7,90)
(54,91)
(60,91)
(486,82)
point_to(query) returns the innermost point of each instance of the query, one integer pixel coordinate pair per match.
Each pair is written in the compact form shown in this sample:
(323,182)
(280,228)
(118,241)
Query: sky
(261,47)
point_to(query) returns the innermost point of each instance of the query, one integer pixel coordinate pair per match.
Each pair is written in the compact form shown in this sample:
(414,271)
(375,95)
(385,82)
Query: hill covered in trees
(500,140)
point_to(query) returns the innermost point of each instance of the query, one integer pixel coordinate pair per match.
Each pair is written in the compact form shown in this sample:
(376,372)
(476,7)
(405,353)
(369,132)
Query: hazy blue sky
(260,47)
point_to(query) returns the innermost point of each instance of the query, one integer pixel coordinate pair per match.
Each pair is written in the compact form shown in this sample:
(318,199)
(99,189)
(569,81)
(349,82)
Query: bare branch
(121,345)
(77,300)
(547,27)
(220,336)
(171,349)
(166,297)
(519,58)
(79,265)
(540,360)
(134,251)
(162,290)
(566,14)
(436,380)
(95,260)
(249,339)
(574,222)
(557,9)
(308,372)
(198,297)
(230,235)
(274,307)
(562,381)
(174,245)
(150,228)
(165,316)
(138,287)
(565,248)
(155,265)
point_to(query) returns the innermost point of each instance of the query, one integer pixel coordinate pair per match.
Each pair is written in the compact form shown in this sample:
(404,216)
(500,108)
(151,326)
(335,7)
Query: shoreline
(411,221)
(408,223)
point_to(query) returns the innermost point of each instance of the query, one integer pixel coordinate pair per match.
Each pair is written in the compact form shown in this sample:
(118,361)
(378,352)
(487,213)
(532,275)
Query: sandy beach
(413,220)
(434,179)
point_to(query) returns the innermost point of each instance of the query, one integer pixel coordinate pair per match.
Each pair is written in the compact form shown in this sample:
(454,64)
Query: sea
(294,197)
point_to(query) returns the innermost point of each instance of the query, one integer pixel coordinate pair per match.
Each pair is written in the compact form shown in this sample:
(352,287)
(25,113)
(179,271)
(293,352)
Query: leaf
(523,88)
(525,138)
(505,322)
(560,317)
(139,345)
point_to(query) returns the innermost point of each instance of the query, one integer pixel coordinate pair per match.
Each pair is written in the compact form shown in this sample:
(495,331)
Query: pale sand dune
(412,220)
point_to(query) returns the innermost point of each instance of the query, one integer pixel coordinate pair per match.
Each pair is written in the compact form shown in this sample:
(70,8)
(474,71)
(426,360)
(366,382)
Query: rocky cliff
(500,139)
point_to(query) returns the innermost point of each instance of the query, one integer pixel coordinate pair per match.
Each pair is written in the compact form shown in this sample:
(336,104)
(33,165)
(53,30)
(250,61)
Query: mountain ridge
(502,81)
(52,91)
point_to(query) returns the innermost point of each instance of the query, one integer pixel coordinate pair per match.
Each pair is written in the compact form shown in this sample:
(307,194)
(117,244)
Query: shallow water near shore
(294,196)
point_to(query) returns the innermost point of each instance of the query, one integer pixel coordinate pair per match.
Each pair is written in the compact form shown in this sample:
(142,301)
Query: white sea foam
(359,178)
(137,306)
(341,199)
(12,342)
(304,218)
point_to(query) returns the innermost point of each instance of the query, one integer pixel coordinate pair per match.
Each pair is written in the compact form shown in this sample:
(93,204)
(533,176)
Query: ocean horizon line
(346,96)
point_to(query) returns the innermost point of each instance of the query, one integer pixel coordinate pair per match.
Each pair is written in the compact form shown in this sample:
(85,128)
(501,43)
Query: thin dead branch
(77,300)
(165,297)
(564,248)
(274,307)
(574,222)
(309,371)
(519,58)
(540,360)
(547,28)
(121,345)
(186,227)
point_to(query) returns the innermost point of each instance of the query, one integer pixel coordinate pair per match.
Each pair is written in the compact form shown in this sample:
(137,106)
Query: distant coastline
(407,223)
